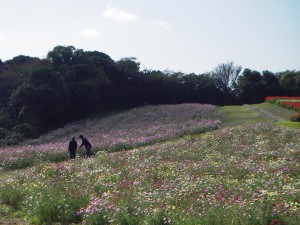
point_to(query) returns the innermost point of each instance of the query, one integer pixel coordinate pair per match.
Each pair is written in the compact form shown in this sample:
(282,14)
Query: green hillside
(264,112)
(244,171)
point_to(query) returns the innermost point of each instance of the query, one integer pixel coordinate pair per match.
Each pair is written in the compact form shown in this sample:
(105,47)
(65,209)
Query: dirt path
(269,115)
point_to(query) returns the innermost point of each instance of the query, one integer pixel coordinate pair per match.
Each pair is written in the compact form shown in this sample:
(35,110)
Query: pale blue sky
(180,35)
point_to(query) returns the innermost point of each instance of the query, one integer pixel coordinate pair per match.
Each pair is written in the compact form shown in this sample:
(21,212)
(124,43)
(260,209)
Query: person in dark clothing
(72,148)
(86,144)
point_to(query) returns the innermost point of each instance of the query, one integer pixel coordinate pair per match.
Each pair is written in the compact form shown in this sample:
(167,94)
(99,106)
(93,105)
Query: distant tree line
(37,95)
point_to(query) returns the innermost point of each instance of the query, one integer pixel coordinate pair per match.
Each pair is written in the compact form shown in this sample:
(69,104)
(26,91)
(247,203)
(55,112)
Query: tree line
(38,95)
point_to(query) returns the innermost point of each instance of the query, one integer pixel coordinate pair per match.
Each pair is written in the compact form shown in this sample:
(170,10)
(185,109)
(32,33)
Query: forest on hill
(38,95)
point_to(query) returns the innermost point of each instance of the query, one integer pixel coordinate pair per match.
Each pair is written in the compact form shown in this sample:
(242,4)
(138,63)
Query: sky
(189,36)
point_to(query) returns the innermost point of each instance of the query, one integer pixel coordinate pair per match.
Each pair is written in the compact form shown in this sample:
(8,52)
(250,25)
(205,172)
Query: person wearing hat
(86,144)
(72,148)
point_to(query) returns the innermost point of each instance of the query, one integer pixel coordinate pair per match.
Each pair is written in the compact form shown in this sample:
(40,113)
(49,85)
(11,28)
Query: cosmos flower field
(233,175)
(122,131)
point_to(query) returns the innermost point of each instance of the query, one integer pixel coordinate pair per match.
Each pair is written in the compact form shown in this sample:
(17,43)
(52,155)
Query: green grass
(276,110)
(249,114)
(240,115)
(289,124)
(288,100)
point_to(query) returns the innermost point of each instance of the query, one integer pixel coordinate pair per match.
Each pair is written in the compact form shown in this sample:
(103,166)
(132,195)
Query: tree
(21,59)
(125,81)
(290,82)
(226,74)
(270,83)
(42,102)
(249,87)
(62,55)
(129,66)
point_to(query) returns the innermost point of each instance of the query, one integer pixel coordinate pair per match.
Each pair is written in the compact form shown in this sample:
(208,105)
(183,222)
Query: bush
(26,130)
(121,147)
(11,196)
(56,157)
(128,215)
(3,133)
(160,218)
(57,207)
(5,210)
(12,138)
(19,163)
(97,219)
(295,118)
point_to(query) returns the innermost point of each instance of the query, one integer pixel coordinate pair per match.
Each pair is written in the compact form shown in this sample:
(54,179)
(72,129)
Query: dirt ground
(271,116)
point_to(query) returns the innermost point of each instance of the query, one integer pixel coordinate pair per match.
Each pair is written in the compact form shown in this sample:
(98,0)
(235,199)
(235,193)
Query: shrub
(26,130)
(159,218)
(12,138)
(5,210)
(128,215)
(57,207)
(57,157)
(295,118)
(11,196)
(121,147)
(3,133)
(19,163)
(97,219)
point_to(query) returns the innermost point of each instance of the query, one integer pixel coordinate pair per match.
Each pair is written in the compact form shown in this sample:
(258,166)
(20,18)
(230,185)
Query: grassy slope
(240,115)
(180,172)
(276,110)
(264,112)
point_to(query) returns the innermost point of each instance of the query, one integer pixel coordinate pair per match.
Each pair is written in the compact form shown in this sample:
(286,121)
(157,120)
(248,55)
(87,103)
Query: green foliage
(42,102)
(26,130)
(128,215)
(226,74)
(160,218)
(21,59)
(11,196)
(49,156)
(32,159)
(289,124)
(3,133)
(71,84)
(250,87)
(12,138)
(5,210)
(19,163)
(295,118)
(61,55)
(16,135)
(121,147)
(57,207)
(290,82)
(129,67)
(97,219)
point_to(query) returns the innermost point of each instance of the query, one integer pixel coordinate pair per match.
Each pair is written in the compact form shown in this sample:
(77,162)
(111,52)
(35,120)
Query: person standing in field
(72,148)
(86,144)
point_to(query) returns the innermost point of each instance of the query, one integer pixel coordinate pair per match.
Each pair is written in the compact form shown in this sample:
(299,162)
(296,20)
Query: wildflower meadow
(122,131)
(247,174)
